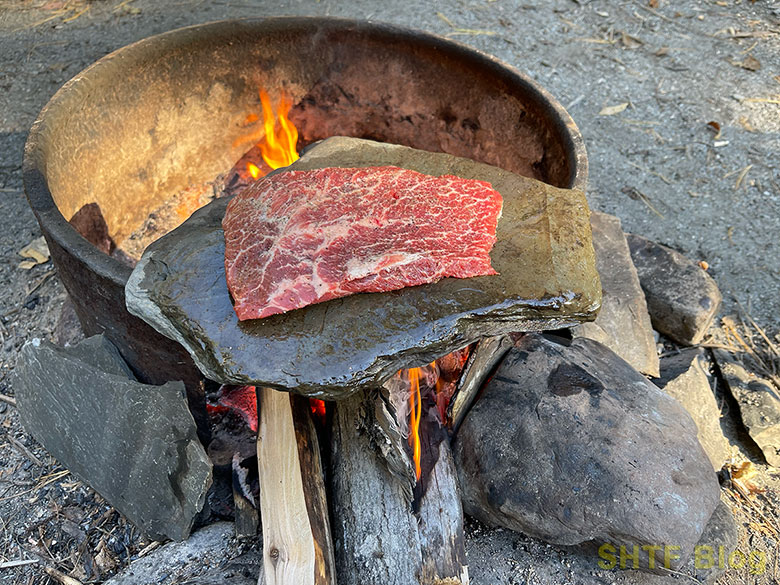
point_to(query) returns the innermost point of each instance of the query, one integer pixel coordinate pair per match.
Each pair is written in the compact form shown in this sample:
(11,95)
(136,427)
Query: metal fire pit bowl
(167,112)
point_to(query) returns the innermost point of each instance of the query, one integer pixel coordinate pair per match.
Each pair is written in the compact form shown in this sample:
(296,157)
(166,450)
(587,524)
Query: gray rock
(623,323)
(716,544)
(176,561)
(685,377)
(681,297)
(135,444)
(246,569)
(99,352)
(759,405)
(571,444)
(544,254)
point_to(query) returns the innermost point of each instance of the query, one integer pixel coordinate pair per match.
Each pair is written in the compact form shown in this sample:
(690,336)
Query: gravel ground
(682,69)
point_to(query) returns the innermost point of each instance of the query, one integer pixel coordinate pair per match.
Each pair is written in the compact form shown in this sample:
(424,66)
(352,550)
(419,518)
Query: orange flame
(278,145)
(439,377)
(278,148)
(415,414)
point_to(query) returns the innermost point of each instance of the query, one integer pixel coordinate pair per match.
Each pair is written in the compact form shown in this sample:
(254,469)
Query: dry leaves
(612,110)
(630,42)
(745,123)
(36,251)
(749,62)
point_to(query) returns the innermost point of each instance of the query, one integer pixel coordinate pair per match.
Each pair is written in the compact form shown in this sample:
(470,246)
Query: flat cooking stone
(681,297)
(623,323)
(685,377)
(544,254)
(135,444)
(571,444)
(759,404)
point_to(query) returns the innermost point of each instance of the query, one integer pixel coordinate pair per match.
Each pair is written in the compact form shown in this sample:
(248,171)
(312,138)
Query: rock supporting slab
(543,254)
(685,377)
(135,444)
(681,297)
(623,323)
(759,404)
(570,444)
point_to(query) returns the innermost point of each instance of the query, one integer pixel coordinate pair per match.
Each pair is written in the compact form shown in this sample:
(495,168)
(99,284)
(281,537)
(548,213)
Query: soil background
(690,160)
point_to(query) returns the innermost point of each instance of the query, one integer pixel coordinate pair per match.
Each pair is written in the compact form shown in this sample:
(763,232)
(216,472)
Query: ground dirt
(690,160)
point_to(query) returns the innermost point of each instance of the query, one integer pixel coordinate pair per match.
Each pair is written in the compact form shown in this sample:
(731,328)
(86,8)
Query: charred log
(380,538)
(486,354)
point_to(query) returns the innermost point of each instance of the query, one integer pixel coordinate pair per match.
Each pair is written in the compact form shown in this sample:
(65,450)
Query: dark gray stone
(623,323)
(759,404)
(571,444)
(244,570)
(713,551)
(544,254)
(685,377)
(681,297)
(135,444)
(99,352)
(177,562)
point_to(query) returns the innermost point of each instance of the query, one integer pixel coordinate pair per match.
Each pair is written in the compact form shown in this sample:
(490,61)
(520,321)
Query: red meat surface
(304,237)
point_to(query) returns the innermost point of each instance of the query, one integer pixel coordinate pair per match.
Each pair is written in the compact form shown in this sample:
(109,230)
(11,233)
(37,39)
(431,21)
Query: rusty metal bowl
(157,116)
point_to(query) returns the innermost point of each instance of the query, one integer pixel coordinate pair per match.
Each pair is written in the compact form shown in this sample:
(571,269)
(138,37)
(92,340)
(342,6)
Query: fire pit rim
(55,226)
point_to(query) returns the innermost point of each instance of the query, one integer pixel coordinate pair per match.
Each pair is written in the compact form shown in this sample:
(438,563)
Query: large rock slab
(685,377)
(681,297)
(623,323)
(543,253)
(135,444)
(571,444)
(759,404)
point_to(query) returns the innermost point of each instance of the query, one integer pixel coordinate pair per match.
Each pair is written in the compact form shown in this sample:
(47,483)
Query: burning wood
(427,545)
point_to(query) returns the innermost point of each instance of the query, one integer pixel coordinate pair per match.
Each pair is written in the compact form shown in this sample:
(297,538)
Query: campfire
(357,430)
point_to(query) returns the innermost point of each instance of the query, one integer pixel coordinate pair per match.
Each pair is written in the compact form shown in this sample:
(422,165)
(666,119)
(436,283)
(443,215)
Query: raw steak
(303,237)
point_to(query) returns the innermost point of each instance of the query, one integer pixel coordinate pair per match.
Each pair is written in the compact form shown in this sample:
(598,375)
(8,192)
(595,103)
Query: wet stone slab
(135,444)
(544,256)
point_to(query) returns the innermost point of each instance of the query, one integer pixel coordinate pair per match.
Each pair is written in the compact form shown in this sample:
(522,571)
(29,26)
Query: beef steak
(303,237)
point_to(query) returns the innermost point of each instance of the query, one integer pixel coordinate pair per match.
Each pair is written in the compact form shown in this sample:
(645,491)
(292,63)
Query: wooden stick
(244,507)
(488,352)
(372,518)
(442,541)
(297,548)
(60,577)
